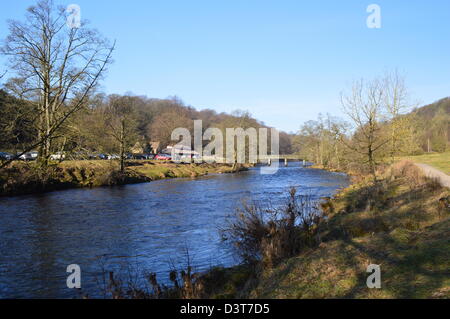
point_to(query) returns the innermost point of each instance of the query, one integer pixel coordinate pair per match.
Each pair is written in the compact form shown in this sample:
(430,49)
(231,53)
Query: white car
(57,156)
(30,156)
(113,157)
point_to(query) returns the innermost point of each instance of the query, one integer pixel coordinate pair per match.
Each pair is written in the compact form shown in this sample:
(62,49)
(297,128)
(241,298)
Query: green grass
(160,170)
(441,161)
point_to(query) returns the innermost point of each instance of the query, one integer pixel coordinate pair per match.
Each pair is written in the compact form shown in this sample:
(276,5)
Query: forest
(96,126)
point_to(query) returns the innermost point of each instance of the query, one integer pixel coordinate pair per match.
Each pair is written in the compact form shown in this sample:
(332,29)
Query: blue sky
(284,61)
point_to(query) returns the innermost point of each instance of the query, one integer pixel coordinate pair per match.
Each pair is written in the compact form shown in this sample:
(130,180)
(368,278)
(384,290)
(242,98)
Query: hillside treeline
(333,142)
(106,123)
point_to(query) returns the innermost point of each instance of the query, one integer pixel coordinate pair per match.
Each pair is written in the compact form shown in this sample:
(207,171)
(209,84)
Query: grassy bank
(402,224)
(26,178)
(441,161)
(335,170)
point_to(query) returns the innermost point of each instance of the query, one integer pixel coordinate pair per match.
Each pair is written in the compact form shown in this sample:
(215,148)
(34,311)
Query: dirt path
(432,172)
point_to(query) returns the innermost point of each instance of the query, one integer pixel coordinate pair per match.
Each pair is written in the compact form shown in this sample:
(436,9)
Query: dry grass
(401,224)
(26,178)
(158,170)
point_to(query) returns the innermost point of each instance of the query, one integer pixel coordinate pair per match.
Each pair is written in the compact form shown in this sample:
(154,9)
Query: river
(133,228)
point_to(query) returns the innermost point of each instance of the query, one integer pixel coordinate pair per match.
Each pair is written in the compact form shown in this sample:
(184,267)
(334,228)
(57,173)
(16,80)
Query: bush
(136,285)
(270,235)
(414,176)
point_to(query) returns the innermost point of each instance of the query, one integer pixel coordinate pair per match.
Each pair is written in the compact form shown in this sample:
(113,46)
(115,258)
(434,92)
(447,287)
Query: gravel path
(429,171)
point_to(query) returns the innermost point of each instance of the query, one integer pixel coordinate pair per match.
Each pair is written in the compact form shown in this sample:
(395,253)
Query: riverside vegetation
(400,223)
(307,249)
(28,177)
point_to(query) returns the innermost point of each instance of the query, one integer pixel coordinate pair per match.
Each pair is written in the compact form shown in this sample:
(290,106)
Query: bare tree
(396,102)
(308,139)
(162,126)
(337,129)
(120,117)
(364,107)
(54,65)
(321,141)
(239,119)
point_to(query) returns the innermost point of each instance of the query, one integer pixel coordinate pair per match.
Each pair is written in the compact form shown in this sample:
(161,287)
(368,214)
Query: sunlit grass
(170,170)
(441,161)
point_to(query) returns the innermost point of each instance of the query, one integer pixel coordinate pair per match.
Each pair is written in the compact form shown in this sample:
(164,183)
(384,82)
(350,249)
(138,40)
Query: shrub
(186,285)
(269,235)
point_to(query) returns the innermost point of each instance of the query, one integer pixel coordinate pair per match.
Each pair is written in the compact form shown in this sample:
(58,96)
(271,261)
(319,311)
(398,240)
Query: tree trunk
(122,147)
(372,164)
(236,166)
(338,160)
(393,144)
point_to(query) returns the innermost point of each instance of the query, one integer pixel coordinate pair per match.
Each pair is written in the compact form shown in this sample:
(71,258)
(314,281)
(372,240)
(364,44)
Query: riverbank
(351,173)
(22,178)
(401,224)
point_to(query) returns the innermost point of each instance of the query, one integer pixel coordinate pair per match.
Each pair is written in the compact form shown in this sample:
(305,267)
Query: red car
(163,157)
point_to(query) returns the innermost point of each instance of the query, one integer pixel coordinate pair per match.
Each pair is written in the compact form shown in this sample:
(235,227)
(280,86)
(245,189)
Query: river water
(132,229)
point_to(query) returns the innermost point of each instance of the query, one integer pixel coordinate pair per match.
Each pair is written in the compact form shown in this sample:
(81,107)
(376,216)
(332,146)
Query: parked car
(4,156)
(30,156)
(25,157)
(34,155)
(96,156)
(58,156)
(79,155)
(143,156)
(189,156)
(113,157)
(139,157)
(163,157)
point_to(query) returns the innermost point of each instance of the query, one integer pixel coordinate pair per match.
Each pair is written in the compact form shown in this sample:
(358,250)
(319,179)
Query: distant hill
(433,125)
(430,111)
